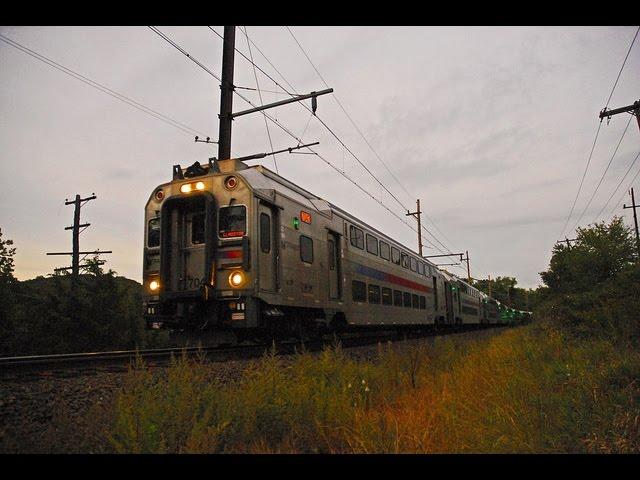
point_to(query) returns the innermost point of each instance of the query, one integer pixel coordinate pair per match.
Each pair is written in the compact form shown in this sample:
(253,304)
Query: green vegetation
(505,291)
(530,389)
(99,311)
(566,383)
(592,289)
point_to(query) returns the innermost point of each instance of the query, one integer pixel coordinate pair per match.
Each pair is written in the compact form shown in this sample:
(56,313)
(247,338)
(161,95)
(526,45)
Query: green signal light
(296,223)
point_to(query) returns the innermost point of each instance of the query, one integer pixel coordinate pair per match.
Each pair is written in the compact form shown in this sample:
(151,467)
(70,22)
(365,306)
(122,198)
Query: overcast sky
(490,127)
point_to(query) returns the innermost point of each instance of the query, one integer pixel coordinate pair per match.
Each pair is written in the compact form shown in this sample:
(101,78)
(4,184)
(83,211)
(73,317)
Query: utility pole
(468,269)
(75,253)
(77,203)
(568,240)
(227,88)
(633,109)
(226,94)
(417,214)
(489,277)
(635,218)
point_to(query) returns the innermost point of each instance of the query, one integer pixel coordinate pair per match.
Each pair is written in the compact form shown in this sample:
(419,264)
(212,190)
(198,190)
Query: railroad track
(73,364)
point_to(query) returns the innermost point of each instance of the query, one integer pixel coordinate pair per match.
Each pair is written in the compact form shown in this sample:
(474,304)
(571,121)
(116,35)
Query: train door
(268,248)
(187,228)
(333,260)
(193,249)
(448,299)
(435,297)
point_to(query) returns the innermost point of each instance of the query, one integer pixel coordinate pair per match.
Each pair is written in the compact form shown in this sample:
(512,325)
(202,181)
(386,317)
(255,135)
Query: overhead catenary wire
(293,88)
(266,124)
(250,60)
(342,143)
(104,89)
(279,124)
(286,130)
(367,142)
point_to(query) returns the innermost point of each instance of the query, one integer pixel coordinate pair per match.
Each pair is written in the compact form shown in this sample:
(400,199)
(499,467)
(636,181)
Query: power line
(584,174)
(184,52)
(604,173)
(98,86)
(630,184)
(615,190)
(623,63)
(598,131)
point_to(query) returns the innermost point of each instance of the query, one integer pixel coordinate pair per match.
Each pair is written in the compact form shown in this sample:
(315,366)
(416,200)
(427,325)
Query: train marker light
(230,182)
(186,188)
(236,278)
(305,217)
(154,285)
(159,195)
(200,186)
(296,223)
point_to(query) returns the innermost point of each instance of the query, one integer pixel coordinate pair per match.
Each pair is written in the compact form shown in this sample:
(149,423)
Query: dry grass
(523,390)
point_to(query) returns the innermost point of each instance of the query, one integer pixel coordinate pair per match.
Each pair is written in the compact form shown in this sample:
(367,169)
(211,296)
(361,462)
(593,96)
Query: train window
(421,268)
(423,303)
(357,237)
(197,229)
(405,260)
(306,249)
(374,294)
(265,233)
(384,250)
(397,298)
(359,291)
(415,302)
(414,264)
(232,221)
(387,296)
(407,299)
(153,232)
(427,270)
(395,255)
(372,244)
(332,254)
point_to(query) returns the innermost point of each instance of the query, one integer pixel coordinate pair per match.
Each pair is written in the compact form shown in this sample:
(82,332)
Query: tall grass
(529,389)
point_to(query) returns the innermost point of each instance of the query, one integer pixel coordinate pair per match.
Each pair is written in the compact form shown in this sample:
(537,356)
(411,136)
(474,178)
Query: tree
(593,286)
(600,252)
(7,289)
(6,260)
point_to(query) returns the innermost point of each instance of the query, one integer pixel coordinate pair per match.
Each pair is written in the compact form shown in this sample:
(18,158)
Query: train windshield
(232,221)
(153,236)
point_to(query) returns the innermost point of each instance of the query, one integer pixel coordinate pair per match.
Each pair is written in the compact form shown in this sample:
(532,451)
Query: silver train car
(229,246)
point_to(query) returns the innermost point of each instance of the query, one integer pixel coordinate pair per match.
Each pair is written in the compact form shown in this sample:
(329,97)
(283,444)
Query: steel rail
(43,364)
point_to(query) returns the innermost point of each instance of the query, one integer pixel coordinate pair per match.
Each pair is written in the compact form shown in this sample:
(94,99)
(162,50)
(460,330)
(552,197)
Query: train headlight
(200,186)
(154,285)
(236,278)
(186,188)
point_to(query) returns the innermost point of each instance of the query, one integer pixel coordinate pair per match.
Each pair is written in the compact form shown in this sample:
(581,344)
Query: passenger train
(232,246)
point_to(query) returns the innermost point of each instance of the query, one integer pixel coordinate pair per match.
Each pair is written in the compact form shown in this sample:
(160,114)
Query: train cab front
(196,258)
